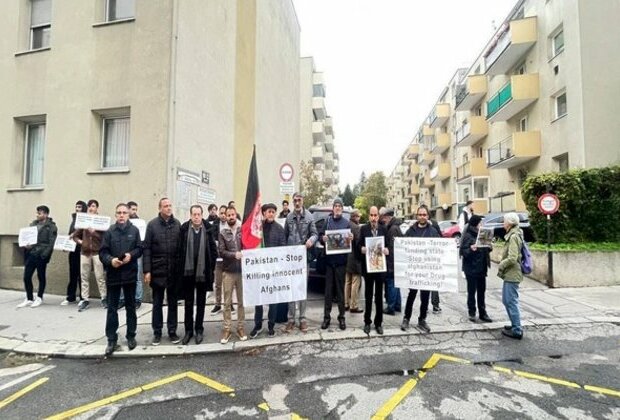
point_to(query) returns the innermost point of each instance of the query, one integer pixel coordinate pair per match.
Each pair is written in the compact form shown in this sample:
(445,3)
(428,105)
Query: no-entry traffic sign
(548,203)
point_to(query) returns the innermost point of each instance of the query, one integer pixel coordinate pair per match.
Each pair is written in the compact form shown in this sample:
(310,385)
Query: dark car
(495,221)
(316,271)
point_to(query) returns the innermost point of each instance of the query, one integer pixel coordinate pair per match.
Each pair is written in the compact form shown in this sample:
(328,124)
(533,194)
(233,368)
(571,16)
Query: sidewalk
(62,331)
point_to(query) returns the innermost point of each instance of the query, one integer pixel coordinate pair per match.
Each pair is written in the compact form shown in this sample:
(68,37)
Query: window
(520,69)
(522,124)
(40,23)
(558,42)
(34,154)
(562,162)
(560,105)
(115,143)
(120,9)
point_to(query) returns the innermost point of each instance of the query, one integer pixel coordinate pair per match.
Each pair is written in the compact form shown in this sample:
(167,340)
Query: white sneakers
(25,303)
(33,304)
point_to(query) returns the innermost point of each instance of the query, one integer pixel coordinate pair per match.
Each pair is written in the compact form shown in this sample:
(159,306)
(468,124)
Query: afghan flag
(252,228)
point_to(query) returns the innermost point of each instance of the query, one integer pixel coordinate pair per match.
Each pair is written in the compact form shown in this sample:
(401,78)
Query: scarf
(189,255)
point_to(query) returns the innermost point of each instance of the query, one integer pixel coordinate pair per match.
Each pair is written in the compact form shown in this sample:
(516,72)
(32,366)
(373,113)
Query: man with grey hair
(509,270)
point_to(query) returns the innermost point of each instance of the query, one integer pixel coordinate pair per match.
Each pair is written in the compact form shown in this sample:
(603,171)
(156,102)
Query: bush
(589,205)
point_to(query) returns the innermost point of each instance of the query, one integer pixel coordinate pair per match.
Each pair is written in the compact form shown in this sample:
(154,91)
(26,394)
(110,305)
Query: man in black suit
(372,281)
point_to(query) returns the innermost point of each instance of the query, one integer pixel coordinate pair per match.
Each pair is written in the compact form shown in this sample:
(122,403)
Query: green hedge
(589,205)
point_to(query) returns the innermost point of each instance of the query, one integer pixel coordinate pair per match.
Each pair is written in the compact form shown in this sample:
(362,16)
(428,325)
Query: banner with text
(426,264)
(86,221)
(64,243)
(274,275)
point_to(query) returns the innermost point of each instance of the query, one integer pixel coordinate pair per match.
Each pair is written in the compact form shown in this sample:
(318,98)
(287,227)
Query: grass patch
(572,247)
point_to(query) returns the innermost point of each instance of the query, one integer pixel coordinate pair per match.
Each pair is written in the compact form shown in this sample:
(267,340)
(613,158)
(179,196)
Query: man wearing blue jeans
(509,270)
(393,228)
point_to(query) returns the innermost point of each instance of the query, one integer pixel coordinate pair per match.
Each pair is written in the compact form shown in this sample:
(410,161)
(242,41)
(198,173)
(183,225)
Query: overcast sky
(385,64)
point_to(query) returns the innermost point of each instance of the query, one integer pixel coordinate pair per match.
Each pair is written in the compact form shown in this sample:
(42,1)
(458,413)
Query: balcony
(318,154)
(439,116)
(413,151)
(441,172)
(414,190)
(329,126)
(471,93)
(515,150)
(414,169)
(481,206)
(427,182)
(318,108)
(472,131)
(445,198)
(318,84)
(329,160)
(440,143)
(328,176)
(515,96)
(474,168)
(427,157)
(510,46)
(329,143)
(427,132)
(318,131)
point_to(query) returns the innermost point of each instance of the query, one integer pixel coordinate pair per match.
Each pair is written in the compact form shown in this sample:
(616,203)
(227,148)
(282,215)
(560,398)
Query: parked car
(450,229)
(316,267)
(495,221)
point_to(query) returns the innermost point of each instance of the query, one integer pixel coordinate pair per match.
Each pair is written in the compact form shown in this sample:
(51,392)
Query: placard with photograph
(338,241)
(375,258)
(485,238)
(28,236)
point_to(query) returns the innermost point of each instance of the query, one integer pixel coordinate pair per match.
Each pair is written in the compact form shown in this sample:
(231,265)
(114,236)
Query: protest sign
(28,236)
(94,221)
(375,258)
(426,264)
(141,225)
(274,275)
(338,241)
(64,243)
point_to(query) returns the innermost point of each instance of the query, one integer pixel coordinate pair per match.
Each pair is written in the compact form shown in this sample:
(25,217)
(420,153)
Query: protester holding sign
(90,241)
(141,225)
(273,236)
(422,228)
(335,266)
(476,261)
(197,256)
(37,256)
(372,281)
(509,270)
(74,260)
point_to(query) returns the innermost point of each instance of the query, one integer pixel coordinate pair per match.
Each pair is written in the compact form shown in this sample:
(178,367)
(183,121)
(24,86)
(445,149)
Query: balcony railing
(461,93)
(500,99)
(462,132)
(502,43)
(500,152)
(463,171)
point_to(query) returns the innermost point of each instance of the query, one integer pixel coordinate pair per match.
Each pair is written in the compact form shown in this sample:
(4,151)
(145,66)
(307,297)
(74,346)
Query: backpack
(527,265)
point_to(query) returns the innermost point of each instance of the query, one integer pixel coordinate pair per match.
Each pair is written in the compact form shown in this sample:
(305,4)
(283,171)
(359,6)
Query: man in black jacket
(273,235)
(197,255)
(120,249)
(421,229)
(161,245)
(372,280)
(476,261)
(392,224)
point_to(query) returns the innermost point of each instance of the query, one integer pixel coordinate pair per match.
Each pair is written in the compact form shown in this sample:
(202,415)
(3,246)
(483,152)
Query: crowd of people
(203,254)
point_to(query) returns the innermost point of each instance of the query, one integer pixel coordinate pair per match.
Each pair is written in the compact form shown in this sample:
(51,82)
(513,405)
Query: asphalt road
(460,375)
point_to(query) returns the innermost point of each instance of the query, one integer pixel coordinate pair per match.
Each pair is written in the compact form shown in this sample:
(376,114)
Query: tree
(359,187)
(348,198)
(375,190)
(361,204)
(312,189)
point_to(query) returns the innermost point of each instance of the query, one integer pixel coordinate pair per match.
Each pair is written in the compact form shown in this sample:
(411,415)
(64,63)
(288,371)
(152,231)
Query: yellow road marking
(601,390)
(164,381)
(22,392)
(295,416)
(546,379)
(210,383)
(393,402)
(502,369)
(264,406)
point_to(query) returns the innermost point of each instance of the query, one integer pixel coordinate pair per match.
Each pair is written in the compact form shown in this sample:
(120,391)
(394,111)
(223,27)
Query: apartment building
(134,100)
(538,98)
(317,130)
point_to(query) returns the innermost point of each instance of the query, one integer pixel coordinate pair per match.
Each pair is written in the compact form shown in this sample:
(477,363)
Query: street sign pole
(549,204)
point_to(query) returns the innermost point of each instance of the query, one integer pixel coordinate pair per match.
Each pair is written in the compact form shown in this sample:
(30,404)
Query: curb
(75,350)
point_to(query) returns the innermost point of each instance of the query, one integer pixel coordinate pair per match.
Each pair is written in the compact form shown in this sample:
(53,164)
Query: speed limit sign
(548,203)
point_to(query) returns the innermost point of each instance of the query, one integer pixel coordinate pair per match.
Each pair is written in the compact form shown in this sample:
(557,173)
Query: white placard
(141,225)
(426,264)
(287,187)
(274,275)
(64,243)
(375,258)
(338,241)
(95,221)
(28,236)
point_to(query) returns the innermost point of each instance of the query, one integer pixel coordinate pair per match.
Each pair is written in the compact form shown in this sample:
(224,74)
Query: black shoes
(423,326)
(199,337)
(509,333)
(404,326)
(379,329)
(271,333)
(342,325)
(325,324)
(367,329)
(174,338)
(131,343)
(186,338)
(356,311)
(255,332)
(436,309)
(110,348)
(389,312)
(485,318)
(472,317)
(156,340)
